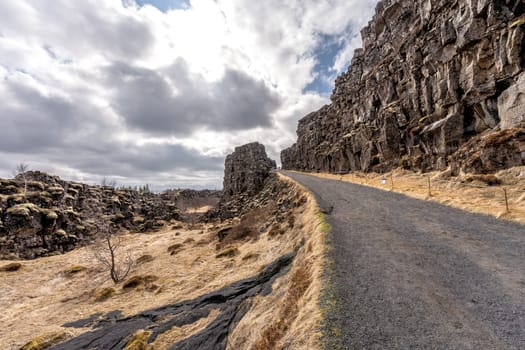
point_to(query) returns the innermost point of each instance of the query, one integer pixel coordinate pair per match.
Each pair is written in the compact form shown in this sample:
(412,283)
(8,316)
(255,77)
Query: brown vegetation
(300,282)
(42,296)
(45,341)
(484,193)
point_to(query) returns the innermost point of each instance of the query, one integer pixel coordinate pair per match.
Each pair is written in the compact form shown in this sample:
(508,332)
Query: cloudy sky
(159,91)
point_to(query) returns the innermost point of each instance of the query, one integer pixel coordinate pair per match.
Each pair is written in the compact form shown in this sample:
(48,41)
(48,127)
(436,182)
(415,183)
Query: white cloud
(108,88)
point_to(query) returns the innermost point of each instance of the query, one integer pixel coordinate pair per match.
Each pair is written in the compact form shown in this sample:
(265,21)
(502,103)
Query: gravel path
(411,274)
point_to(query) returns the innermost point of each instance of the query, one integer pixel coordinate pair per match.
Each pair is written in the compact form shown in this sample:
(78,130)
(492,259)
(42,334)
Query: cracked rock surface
(432,75)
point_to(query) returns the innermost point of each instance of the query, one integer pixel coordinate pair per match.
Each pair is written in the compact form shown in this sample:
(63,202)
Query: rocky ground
(41,214)
(437,83)
(251,281)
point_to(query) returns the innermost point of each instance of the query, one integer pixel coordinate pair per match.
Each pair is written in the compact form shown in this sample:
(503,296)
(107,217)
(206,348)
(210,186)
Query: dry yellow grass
(472,193)
(290,316)
(51,291)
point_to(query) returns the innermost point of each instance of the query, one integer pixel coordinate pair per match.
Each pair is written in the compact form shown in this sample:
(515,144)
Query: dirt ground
(468,192)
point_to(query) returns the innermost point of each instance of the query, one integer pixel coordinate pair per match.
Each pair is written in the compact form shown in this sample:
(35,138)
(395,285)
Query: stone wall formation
(438,83)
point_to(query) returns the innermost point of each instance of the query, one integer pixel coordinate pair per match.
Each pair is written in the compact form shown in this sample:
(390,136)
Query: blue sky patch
(165,5)
(325,54)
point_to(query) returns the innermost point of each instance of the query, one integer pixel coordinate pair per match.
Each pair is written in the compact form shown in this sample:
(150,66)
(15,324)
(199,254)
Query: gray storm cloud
(180,102)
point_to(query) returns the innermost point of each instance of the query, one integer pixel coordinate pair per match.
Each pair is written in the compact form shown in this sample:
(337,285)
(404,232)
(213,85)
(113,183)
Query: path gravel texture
(412,274)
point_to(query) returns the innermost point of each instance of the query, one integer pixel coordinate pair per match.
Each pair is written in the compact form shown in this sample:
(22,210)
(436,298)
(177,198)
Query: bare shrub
(21,170)
(112,255)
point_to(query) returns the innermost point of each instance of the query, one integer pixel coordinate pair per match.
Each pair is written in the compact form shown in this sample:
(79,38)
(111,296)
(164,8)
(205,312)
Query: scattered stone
(56,216)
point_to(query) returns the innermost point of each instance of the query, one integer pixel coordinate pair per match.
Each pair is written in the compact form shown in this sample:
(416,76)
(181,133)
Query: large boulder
(246,169)
(247,173)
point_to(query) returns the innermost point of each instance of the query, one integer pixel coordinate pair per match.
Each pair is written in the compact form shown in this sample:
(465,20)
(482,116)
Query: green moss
(45,341)
(139,341)
(329,304)
(323,223)
(23,209)
(51,215)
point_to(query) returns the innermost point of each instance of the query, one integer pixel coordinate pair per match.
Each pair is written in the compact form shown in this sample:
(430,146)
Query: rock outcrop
(432,75)
(246,169)
(246,172)
(41,214)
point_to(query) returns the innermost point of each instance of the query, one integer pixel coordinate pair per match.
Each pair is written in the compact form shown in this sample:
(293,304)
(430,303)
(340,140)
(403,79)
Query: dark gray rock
(41,214)
(247,173)
(114,332)
(246,169)
(431,76)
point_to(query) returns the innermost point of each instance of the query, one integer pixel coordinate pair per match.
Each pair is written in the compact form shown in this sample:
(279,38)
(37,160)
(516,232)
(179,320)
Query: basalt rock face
(41,214)
(432,75)
(246,173)
(246,169)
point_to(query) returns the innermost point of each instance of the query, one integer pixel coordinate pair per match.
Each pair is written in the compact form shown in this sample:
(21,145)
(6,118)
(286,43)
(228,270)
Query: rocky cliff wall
(41,214)
(432,75)
(246,172)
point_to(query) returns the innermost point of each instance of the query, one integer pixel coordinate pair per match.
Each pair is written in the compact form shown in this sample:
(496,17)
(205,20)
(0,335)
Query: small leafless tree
(21,170)
(108,183)
(112,255)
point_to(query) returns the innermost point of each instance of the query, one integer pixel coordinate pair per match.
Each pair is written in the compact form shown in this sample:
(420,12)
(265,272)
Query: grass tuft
(136,281)
(12,267)
(45,341)
(300,281)
(75,269)
(139,341)
(144,259)
(324,225)
(103,294)
(228,253)
(175,248)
